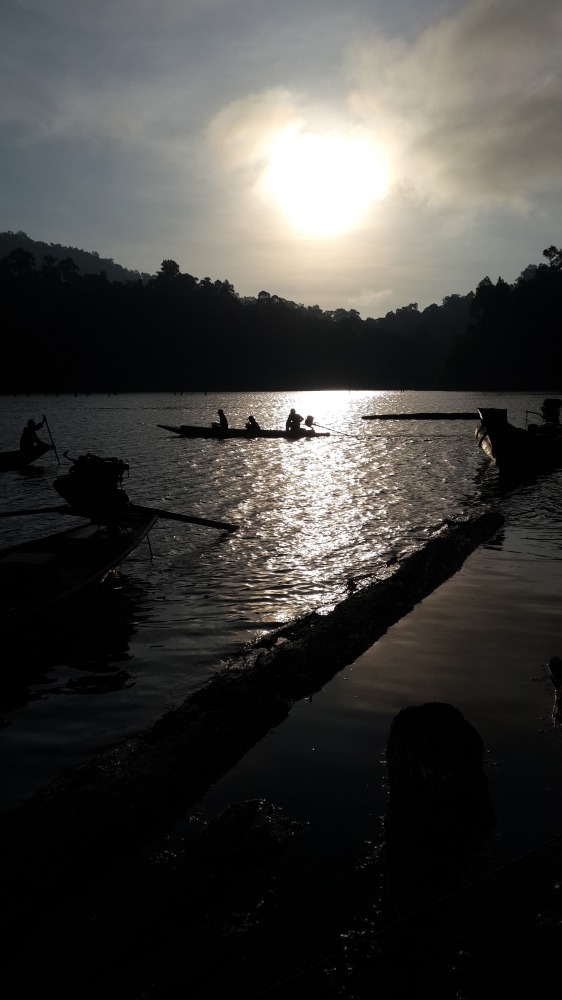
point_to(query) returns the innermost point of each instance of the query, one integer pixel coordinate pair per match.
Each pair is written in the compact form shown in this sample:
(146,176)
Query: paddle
(132,508)
(36,510)
(188,518)
(51,437)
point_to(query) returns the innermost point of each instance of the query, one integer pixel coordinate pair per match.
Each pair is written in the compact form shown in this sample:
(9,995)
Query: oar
(188,518)
(36,510)
(132,508)
(51,437)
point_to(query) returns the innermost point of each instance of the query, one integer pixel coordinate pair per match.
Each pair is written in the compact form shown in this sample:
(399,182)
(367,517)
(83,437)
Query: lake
(311,515)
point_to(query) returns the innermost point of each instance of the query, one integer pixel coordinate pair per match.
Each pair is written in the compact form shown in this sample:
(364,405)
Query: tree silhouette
(69,331)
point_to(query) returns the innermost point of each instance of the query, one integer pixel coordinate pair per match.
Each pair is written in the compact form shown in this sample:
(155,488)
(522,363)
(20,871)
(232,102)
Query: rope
(334,430)
(369,436)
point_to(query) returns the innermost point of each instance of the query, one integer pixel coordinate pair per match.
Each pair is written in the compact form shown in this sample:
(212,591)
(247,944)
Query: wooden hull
(514,449)
(188,431)
(10,460)
(39,576)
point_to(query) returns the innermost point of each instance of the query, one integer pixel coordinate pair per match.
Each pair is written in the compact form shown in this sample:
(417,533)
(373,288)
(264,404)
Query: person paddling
(29,439)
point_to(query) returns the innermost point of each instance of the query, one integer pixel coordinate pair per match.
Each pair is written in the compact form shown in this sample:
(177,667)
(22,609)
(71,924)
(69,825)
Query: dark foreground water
(311,514)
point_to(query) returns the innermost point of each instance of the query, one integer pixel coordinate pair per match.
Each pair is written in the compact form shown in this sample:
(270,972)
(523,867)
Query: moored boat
(38,576)
(18,459)
(192,431)
(518,450)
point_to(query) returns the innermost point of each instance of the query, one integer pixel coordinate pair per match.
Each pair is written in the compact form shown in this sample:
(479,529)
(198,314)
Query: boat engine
(93,487)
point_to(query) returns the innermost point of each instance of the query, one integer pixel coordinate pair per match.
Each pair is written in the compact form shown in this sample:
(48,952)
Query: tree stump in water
(439,809)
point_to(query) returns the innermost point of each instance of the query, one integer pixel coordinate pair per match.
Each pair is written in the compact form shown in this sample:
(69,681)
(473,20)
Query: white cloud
(369,302)
(241,131)
(471,109)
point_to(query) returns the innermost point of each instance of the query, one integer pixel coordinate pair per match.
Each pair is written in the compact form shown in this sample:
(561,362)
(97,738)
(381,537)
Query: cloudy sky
(363,155)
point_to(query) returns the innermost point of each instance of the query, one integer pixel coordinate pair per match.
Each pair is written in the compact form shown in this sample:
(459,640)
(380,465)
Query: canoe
(10,460)
(187,430)
(518,450)
(39,576)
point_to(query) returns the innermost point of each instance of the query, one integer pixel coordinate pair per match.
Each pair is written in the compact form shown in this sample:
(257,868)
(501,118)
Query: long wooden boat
(189,431)
(518,450)
(38,576)
(13,460)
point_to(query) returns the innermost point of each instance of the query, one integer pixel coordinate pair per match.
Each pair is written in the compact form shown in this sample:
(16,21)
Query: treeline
(514,338)
(87,261)
(68,331)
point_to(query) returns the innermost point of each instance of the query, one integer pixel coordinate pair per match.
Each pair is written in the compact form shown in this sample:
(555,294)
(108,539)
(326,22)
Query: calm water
(311,514)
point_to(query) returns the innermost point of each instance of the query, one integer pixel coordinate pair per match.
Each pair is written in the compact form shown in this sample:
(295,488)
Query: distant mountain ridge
(87,262)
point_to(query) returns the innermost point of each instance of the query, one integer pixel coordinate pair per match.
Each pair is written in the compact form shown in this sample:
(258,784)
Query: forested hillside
(68,331)
(87,261)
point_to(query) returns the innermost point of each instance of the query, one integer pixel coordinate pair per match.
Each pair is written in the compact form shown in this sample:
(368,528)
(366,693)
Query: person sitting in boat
(309,422)
(294,421)
(252,425)
(29,439)
(550,410)
(222,422)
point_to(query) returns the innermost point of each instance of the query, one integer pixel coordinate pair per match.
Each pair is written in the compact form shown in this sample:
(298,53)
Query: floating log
(422,416)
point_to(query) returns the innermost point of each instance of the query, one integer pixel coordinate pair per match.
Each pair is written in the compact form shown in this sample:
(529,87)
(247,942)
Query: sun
(325,184)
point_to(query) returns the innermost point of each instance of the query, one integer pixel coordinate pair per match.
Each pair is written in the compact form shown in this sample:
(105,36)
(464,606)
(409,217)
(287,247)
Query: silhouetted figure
(252,425)
(223,422)
(294,421)
(309,421)
(29,439)
(550,410)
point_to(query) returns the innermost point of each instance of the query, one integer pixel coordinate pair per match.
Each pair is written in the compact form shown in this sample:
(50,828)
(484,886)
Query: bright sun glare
(324,183)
